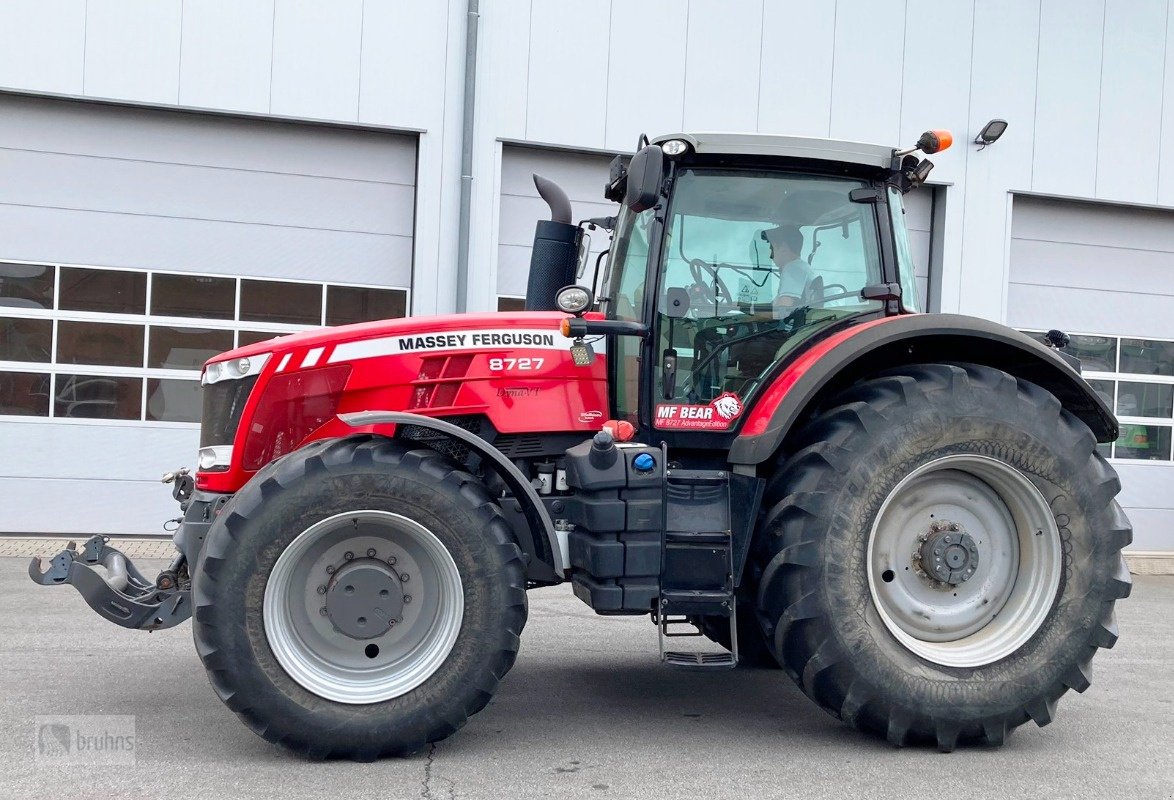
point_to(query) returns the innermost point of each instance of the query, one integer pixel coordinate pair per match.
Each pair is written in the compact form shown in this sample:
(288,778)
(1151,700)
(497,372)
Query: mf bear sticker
(717,415)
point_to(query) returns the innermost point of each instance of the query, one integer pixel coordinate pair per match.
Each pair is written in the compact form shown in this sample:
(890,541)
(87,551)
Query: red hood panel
(320,337)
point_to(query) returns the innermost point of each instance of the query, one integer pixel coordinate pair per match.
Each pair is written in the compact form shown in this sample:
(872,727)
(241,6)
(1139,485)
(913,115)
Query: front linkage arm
(124,596)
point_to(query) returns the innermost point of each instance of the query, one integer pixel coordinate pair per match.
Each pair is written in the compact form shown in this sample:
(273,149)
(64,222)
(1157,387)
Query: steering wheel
(744,332)
(699,269)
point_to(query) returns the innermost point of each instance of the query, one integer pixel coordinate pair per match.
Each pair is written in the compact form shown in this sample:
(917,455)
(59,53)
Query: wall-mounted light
(991,132)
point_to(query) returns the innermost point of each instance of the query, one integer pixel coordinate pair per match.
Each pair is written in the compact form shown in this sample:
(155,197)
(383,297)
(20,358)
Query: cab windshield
(753,264)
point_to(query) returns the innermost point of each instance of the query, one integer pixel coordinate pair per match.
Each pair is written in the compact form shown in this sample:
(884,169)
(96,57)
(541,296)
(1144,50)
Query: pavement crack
(426,784)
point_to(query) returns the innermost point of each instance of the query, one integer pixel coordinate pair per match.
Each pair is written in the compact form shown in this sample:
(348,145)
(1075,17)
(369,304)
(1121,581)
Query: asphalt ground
(587,712)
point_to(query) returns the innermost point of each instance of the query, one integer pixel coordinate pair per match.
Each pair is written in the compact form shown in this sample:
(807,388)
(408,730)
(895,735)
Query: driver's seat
(813,294)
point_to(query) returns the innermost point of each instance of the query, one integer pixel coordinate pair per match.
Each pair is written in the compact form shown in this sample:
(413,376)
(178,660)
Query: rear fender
(540,542)
(867,349)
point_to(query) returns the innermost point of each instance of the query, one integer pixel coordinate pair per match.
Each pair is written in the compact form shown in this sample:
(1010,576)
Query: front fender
(541,525)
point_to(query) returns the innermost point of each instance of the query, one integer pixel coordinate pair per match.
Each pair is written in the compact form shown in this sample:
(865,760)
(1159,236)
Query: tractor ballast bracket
(123,595)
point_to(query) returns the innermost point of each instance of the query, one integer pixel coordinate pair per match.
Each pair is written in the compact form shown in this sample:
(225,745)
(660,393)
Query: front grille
(224,402)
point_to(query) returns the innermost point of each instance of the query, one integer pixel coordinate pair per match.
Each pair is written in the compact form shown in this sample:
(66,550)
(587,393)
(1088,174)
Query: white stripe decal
(434,341)
(312,357)
(283,362)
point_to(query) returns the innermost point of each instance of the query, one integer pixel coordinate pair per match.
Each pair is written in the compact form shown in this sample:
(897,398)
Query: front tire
(945,557)
(359,599)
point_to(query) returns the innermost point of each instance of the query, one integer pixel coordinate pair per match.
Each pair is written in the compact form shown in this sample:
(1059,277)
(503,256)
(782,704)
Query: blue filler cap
(644,462)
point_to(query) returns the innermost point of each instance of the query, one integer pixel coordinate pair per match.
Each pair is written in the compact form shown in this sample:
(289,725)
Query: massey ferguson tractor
(739,425)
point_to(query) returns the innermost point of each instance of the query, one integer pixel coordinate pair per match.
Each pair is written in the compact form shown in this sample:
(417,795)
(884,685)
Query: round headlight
(674,147)
(207,458)
(242,366)
(573,299)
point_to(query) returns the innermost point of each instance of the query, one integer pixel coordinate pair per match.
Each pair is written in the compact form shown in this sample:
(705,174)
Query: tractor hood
(405,327)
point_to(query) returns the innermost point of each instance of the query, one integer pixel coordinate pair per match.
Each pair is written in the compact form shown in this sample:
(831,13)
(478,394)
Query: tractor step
(123,595)
(697,571)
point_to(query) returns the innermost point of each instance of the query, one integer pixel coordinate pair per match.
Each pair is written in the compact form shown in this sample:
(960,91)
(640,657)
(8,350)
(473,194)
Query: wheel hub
(948,554)
(365,598)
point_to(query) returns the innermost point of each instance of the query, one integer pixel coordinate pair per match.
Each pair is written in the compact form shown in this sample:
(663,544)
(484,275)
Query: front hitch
(123,596)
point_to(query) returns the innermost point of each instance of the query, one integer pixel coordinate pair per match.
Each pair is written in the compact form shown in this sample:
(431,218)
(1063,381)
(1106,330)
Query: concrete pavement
(587,712)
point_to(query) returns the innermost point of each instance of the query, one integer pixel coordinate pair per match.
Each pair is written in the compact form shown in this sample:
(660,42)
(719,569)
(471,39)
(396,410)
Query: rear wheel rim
(1002,544)
(341,651)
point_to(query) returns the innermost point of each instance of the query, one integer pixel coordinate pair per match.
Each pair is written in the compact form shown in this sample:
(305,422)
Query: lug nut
(407,599)
(321,590)
(955,526)
(323,611)
(348,555)
(391,623)
(391,560)
(371,552)
(404,577)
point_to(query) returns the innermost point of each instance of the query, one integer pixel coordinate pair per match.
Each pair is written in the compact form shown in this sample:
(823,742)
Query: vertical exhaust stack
(556,249)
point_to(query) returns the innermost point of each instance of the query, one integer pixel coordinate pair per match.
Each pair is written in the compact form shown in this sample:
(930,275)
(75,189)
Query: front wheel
(359,599)
(944,559)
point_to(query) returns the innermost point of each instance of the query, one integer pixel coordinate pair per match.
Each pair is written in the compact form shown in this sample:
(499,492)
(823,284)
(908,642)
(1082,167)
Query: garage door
(583,176)
(1106,275)
(134,244)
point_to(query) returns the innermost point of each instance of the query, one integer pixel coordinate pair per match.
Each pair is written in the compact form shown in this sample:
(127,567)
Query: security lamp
(991,132)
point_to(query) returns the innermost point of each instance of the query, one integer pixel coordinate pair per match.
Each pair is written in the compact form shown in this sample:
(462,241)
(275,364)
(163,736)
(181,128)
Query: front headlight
(219,457)
(234,369)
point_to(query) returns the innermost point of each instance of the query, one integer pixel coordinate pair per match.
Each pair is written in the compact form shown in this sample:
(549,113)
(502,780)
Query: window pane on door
(26,285)
(106,343)
(113,291)
(280,301)
(25,339)
(185,348)
(98,397)
(24,393)
(193,296)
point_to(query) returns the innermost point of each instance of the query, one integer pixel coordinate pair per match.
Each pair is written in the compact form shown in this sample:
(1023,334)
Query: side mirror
(645,172)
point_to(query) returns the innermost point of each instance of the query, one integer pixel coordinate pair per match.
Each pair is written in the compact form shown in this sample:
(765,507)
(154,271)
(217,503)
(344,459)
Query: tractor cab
(732,251)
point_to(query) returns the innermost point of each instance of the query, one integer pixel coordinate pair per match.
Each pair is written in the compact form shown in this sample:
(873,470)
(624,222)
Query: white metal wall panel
(1103,270)
(401,60)
(225,54)
(132,49)
(722,65)
(567,86)
(868,70)
(634,104)
(137,188)
(106,186)
(795,92)
(1068,91)
(1131,100)
(581,175)
(46,57)
(316,49)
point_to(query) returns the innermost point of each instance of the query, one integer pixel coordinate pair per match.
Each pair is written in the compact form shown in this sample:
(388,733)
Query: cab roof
(764,144)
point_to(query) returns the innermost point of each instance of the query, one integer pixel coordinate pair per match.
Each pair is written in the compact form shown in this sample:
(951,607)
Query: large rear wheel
(359,599)
(944,559)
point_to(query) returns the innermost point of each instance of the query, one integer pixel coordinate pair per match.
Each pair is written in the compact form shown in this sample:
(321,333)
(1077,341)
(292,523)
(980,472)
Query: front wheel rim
(374,656)
(964,561)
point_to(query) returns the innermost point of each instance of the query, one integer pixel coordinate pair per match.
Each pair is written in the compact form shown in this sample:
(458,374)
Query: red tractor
(749,433)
